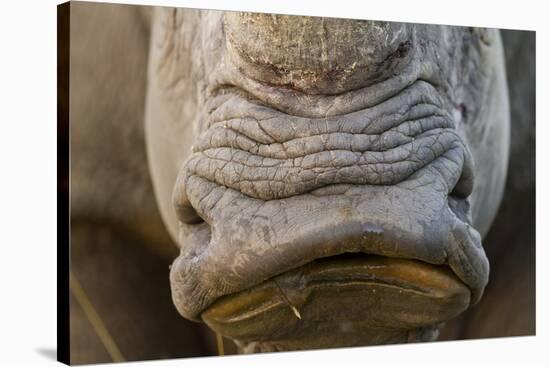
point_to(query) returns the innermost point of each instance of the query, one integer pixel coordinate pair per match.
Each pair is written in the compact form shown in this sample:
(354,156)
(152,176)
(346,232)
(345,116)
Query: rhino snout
(265,192)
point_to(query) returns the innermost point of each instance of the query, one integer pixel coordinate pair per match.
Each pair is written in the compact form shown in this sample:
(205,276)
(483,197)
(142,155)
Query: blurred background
(120,302)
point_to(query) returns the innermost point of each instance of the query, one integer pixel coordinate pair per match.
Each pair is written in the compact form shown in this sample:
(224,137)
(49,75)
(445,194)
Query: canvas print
(236,182)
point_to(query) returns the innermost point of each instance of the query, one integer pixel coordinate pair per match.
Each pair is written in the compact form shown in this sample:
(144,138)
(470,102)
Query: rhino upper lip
(249,238)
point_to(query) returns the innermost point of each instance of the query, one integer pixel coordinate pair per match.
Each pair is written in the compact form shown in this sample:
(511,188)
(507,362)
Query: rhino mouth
(268,192)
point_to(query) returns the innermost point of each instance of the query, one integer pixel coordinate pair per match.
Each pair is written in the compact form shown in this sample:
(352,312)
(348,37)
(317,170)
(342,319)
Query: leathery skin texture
(310,165)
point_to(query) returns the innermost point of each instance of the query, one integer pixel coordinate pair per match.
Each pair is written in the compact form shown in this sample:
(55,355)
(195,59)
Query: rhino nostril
(188,215)
(185,211)
(465,184)
(463,187)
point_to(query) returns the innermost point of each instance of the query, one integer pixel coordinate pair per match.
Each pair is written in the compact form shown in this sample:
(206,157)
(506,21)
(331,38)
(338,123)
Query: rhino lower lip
(419,295)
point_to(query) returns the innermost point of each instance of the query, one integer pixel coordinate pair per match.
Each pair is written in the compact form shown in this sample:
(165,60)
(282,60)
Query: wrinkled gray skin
(279,140)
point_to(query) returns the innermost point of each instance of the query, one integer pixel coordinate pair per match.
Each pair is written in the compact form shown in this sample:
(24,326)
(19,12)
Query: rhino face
(329,181)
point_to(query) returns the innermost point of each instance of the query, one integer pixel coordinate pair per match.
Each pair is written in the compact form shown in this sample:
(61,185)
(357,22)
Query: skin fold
(275,142)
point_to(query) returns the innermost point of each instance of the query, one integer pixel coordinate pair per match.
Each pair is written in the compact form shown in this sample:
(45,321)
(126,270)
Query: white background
(28,183)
